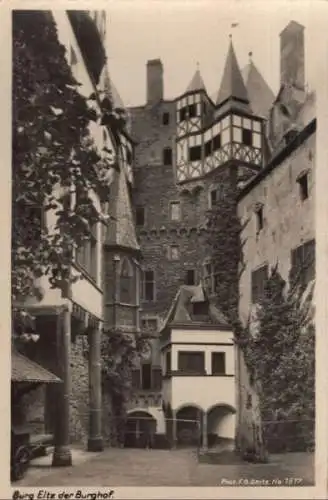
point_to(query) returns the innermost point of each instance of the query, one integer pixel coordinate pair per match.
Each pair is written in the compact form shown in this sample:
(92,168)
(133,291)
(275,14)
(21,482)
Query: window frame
(166,118)
(167,161)
(176,203)
(257,292)
(189,371)
(222,354)
(144,285)
(303,189)
(141,207)
(170,254)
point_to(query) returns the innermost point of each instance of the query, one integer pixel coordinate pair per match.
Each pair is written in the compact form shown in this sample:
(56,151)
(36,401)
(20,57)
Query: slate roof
(182,313)
(26,370)
(196,83)
(259,93)
(232,83)
(121,229)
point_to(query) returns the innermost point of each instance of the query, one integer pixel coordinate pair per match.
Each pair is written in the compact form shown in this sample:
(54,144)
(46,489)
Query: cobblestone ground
(130,467)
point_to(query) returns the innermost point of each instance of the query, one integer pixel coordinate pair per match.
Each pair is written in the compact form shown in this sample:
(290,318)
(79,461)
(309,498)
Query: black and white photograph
(163,247)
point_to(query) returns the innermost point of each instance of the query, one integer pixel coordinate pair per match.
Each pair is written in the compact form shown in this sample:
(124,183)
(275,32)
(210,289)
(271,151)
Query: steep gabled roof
(121,228)
(182,312)
(24,369)
(259,93)
(196,83)
(232,83)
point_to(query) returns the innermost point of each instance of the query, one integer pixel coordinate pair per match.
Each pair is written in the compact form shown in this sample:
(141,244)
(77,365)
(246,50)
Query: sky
(184,33)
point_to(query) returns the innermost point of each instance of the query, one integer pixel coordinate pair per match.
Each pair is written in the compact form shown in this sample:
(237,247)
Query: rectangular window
(192,110)
(140,216)
(136,379)
(218,363)
(175,211)
(86,254)
(191,362)
(166,118)
(167,156)
(156,379)
(149,286)
(208,148)
(213,198)
(303,263)
(247,137)
(149,324)
(173,252)
(168,362)
(146,376)
(183,114)
(303,187)
(259,278)
(216,142)
(190,277)
(195,153)
(259,219)
(128,156)
(208,277)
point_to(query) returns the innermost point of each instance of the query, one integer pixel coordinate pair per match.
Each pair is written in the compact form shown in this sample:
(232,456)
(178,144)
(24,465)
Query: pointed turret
(259,93)
(232,84)
(196,83)
(121,229)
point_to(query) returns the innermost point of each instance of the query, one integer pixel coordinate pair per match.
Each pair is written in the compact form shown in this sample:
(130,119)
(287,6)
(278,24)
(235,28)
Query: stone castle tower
(187,149)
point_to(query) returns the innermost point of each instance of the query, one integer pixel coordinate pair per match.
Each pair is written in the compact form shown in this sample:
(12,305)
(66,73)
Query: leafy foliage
(225,251)
(53,157)
(120,353)
(282,352)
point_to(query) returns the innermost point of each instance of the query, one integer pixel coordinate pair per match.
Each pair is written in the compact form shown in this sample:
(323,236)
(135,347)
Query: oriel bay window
(191,362)
(126,282)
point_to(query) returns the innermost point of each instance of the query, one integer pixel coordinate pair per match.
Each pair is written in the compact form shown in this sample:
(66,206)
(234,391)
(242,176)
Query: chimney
(292,55)
(154,81)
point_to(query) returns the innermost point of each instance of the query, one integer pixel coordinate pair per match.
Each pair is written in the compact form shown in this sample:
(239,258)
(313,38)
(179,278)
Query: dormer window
(303,186)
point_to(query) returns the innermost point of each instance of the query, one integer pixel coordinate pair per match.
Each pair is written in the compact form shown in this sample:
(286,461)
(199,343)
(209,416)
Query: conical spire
(121,229)
(260,95)
(196,83)
(232,84)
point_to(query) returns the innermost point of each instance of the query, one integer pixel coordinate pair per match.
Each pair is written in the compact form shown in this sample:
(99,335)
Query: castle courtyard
(138,467)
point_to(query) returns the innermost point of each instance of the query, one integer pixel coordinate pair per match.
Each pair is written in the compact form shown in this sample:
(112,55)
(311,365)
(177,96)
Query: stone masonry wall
(155,187)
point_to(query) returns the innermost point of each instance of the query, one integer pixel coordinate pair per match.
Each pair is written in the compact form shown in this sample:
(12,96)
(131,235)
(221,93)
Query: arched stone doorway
(188,425)
(221,426)
(140,428)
